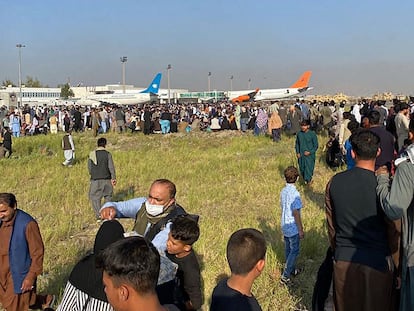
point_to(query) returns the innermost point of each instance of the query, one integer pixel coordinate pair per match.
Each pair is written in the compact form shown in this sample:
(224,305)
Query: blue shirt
(130,208)
(289,201)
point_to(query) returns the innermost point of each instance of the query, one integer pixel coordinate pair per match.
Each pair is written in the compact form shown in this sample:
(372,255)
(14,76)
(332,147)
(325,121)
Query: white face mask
(153,209)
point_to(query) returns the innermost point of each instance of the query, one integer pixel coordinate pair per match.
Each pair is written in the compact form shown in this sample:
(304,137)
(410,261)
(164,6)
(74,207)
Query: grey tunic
(397,202)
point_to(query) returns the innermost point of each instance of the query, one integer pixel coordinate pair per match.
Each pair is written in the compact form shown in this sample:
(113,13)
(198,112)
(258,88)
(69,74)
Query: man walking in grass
(103,179)
(68,148)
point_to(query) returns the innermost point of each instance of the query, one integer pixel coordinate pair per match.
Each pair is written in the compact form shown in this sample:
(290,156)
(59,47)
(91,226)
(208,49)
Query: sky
(356,47)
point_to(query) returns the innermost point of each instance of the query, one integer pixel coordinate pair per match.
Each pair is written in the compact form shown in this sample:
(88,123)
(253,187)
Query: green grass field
(231,180)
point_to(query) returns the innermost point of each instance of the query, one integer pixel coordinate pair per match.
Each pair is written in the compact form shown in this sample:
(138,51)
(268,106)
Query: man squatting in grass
(291,223)
(153,219)
(246,252)
(21,258)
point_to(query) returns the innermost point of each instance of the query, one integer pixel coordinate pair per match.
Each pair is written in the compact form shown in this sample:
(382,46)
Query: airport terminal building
(10,96)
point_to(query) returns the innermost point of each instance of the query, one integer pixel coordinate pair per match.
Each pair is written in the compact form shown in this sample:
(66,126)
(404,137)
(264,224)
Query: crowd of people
(369,211)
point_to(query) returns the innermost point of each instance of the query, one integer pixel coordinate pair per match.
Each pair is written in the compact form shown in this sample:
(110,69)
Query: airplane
(300,86)
(130,97)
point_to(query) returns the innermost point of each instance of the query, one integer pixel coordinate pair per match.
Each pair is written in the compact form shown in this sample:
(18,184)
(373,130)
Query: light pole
(231,83)
(20,46)
(123,61)
(209,80)
(168,81)
(249,83)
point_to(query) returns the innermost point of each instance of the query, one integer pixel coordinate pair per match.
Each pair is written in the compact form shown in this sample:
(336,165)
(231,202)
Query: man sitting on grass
(246,251)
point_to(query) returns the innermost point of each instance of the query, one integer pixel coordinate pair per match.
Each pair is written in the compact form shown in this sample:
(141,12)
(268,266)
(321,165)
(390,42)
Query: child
(306,146)
(183,233)
(246,251)
(291,223)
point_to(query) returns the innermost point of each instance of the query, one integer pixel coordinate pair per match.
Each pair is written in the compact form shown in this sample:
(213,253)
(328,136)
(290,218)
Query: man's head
(102,142)
(160,197)
(246,249)
(304,125)
(130,269)
(291,174)
(374,117)
(365,144)
(8,206)
(184,232)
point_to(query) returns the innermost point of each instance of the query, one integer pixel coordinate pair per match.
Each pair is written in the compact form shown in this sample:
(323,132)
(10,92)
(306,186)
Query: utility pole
(168,81)
(20,46)
(123,61)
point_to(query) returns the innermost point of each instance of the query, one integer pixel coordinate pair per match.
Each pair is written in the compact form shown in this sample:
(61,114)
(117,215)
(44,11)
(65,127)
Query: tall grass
(231,180)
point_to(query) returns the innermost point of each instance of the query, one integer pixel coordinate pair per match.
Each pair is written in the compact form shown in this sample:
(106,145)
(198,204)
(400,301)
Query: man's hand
(108,213)
(113,182)
(306,153)
(298,155)
(301,234)
(27,285)
(382,170)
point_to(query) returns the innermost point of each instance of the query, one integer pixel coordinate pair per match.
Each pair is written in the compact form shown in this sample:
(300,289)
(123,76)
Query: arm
(314,143)
(160,240)
(123,209)
(111,166)
(36,250)
(329,216)
(89,166)
(298,220)
(72,145)
(192,285)
(395,201)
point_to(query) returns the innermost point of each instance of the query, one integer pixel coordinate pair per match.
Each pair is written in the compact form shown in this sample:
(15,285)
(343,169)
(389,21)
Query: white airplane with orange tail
(300,86)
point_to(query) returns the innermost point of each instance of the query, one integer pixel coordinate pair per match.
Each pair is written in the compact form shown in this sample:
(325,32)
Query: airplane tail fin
(154,86)
(303,81)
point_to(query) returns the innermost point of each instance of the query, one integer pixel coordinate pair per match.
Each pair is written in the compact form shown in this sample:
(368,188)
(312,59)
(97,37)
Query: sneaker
(49,302)
(284,280)
(296,271)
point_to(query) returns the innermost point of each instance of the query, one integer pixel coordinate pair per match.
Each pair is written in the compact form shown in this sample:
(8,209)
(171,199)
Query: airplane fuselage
(122,98)
(273,94)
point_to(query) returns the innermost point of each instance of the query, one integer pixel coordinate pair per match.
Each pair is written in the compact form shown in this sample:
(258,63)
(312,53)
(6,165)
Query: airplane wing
(245,97)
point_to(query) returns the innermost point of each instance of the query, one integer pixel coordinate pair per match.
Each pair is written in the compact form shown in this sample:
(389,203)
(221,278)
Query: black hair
(184,228)
(133,261)
(374,117)
(244,249)
(365,144)
(8,199)
(102,142)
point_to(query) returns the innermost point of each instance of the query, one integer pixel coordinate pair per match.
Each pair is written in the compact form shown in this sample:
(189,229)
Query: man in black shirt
(246,251)
(357,230)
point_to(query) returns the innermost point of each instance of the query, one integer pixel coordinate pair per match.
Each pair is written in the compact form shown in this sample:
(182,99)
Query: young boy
(291,223)
(246,251)
(183,233)
(306,146)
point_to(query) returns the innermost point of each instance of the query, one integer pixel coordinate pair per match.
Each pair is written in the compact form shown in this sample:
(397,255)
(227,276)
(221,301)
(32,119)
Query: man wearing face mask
(152,215)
